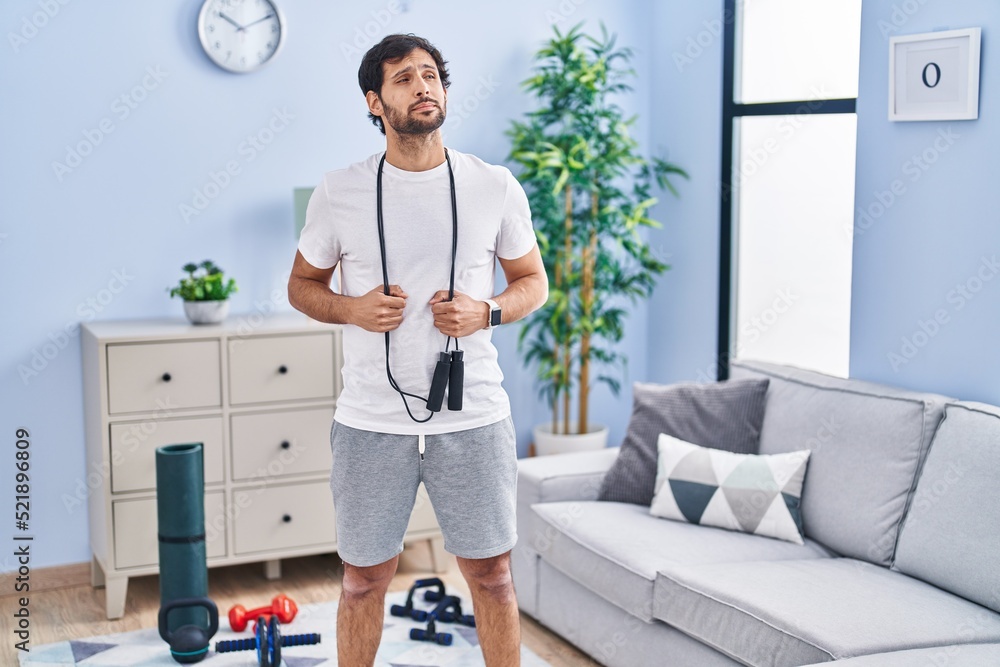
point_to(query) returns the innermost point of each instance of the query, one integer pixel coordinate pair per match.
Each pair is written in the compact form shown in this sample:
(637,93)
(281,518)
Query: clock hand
(238,26)
(258,21)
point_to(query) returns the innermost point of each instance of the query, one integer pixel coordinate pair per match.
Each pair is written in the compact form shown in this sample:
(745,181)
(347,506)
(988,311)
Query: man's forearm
(319,302)
(522,297)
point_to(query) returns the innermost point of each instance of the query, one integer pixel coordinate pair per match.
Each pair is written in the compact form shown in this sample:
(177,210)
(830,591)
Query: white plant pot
(547,442)
(206,312)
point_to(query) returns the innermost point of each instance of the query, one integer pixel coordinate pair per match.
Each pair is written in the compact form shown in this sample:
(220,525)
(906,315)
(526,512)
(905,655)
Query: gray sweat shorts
(470,477)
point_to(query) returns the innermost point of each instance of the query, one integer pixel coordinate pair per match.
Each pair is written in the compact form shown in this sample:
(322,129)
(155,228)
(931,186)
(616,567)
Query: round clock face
(240,35)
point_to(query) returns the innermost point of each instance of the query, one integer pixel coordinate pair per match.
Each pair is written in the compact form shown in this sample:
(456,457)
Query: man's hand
(461,317)
(377,312)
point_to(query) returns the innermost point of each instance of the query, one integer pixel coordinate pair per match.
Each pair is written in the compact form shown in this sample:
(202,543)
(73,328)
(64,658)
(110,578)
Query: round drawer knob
(282,369)
(285,444)
(166,377)
(287,518)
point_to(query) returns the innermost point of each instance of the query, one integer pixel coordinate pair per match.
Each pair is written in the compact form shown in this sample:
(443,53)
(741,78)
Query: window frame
(731,110)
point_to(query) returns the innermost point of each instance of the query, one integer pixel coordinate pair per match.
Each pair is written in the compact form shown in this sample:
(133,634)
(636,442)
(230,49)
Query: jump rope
(450,369)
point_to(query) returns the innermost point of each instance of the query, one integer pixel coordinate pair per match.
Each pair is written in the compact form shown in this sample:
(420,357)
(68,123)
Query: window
(797,50)
(789,137)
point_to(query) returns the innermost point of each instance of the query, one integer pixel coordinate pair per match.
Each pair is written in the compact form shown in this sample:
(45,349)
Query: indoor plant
(590,190)
(206,295)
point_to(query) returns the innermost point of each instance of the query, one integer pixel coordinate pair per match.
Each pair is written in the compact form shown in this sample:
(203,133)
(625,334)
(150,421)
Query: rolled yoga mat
(180,513)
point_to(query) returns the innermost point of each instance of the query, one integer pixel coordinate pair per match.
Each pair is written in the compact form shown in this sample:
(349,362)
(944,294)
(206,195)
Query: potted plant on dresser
(590,190)
(206,295)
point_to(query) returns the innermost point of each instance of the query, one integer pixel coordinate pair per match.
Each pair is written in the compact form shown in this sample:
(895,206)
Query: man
(384,443)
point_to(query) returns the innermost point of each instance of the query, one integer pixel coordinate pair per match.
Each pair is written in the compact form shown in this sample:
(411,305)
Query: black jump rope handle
(456,380)
(441,373)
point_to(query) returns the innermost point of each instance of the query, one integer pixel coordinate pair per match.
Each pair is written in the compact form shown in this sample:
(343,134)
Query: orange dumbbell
(282,606)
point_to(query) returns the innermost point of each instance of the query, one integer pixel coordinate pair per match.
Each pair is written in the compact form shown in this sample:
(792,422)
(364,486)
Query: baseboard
(48,578)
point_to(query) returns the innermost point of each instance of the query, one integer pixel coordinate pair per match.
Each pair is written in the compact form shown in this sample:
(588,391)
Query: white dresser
(259,391)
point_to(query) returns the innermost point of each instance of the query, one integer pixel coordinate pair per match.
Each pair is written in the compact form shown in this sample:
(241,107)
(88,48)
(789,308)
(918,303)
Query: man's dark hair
(394,48)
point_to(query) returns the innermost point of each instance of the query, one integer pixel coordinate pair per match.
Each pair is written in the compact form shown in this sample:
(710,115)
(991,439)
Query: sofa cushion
(751,493)
(616,549)
(724,415)
(784,613)
(951,535)
(867,443)
(614,638)
(956,655)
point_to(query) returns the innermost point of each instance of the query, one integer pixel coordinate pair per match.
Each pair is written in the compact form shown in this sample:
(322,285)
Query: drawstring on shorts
(420,445)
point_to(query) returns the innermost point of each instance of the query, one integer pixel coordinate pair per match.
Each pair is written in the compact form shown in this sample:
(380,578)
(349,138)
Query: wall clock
(240,35)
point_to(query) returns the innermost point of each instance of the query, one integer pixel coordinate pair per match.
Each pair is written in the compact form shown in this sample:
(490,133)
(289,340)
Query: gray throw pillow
(749,493)
(723,415)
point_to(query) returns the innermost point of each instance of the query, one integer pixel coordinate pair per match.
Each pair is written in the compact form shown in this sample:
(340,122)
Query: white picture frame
(935,75)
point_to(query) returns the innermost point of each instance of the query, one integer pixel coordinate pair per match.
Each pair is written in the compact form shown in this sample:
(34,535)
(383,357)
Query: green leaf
(561,181)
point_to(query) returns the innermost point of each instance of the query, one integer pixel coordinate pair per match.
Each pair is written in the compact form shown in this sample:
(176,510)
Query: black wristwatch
(494,314)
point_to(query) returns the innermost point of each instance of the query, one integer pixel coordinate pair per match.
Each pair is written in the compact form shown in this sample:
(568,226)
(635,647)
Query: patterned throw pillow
(749,493)
(725,415)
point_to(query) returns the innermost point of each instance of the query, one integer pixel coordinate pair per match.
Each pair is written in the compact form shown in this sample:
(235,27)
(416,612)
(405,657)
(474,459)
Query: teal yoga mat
(180,514)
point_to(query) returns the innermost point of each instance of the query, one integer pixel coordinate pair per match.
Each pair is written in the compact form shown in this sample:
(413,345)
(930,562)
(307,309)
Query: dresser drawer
(273,518)
(133,449)
(136,544)
(289,442)
(162,376)
(280,368)
(423,517)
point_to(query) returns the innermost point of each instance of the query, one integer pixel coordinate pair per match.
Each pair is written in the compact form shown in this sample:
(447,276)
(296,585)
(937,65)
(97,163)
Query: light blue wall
(110,231)
(687,117)
(913,251)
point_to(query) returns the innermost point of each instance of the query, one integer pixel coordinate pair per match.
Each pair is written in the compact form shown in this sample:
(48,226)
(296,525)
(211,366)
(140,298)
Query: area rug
(144,647)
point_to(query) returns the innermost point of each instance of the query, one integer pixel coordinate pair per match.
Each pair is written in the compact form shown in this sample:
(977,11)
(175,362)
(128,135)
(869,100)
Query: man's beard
(407,124)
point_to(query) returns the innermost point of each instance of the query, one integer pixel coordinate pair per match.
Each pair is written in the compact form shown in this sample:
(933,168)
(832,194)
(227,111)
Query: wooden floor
(77,612)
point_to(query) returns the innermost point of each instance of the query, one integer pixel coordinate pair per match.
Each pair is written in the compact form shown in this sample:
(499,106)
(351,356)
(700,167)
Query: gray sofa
(901,511)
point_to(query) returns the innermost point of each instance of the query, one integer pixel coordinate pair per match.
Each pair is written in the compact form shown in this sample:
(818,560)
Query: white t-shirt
(494,220)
